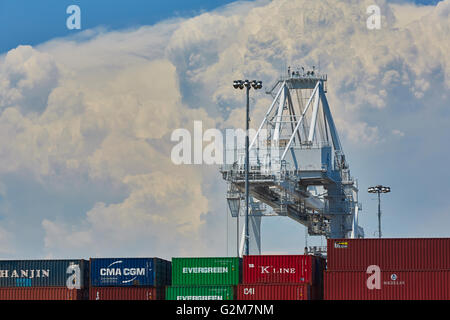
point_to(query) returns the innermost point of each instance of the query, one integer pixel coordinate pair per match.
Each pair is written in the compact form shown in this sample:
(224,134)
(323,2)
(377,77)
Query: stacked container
(282,277)
(128,278)
(43,279)
(388,269)
(204,278)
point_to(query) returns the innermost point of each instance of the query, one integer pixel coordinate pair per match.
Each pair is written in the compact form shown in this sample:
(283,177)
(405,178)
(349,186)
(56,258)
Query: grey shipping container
(44,273)
(125,272)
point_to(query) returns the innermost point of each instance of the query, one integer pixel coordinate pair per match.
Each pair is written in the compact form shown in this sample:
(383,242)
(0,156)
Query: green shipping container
(206,271)
(200,293)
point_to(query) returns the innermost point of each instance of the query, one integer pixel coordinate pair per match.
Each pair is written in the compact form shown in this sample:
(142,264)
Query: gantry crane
(297,165)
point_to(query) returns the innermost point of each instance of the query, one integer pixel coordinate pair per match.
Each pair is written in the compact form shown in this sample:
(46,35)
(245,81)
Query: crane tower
(297,165)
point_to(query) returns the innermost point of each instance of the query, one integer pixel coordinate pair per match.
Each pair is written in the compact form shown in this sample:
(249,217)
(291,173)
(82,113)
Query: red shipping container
(282,269)
(42,293)
(387,285)
(389,254)
(274,292)
(317,292)
(126,293)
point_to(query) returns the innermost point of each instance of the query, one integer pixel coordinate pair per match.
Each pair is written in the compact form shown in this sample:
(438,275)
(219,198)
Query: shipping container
(125,272)
(387,285)
(200,293)
(317,291)
(206,271)
(42,293)
(274,292)
(389,254)
(44,273)
(126,293)
(283,269)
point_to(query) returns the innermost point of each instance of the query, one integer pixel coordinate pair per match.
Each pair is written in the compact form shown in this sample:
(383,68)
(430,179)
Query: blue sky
(33,22)
(84,156)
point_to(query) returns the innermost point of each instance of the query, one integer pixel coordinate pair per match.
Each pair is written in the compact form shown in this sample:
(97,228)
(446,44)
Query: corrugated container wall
(200,293)
(125,272)
(387,285)
(42,293)
(44,273)
(206,271)
(389,254)
(283,269)
(274,292)
(126,293)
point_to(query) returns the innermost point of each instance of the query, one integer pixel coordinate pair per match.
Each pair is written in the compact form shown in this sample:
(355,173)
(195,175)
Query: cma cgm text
(124,272)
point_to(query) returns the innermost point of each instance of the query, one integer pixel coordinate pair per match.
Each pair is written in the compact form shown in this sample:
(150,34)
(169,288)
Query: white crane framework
(297,165)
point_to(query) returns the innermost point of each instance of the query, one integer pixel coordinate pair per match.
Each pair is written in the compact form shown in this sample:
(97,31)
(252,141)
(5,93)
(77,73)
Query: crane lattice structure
(297,165)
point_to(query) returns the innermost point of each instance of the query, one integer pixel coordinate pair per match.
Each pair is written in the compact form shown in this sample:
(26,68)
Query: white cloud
(26,79)
(100,127)
(162,214)
(360,132)
(103,104)
(398,133)
(60,236)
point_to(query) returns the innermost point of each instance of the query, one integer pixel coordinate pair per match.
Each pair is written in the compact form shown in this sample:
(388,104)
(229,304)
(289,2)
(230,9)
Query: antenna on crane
(297,165)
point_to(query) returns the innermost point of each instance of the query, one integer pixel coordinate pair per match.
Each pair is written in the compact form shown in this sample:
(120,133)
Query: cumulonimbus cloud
(102,105)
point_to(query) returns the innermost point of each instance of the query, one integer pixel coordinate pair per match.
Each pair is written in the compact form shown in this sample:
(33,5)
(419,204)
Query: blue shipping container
(124,272)
(44,273)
